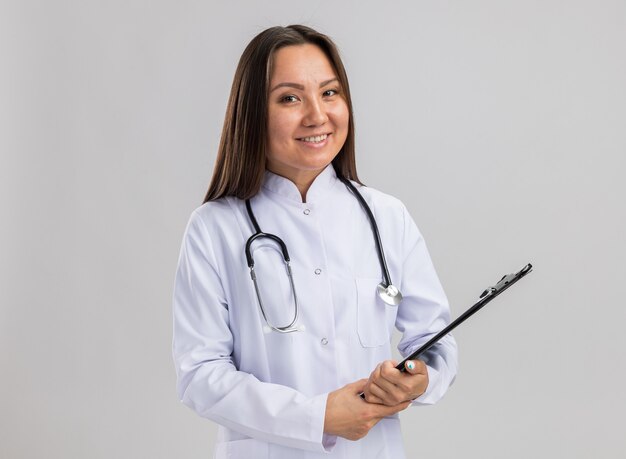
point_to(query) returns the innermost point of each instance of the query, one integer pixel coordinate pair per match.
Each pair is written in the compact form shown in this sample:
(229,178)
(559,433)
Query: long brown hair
(240,163)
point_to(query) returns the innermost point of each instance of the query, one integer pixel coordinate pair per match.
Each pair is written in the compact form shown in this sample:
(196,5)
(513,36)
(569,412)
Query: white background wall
(501,125)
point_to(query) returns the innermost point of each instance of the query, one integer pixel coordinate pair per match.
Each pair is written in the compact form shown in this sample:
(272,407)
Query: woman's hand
(351,417)
(389,386)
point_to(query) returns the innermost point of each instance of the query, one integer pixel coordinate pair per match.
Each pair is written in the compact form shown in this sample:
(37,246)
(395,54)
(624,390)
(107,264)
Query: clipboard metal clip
(506,281)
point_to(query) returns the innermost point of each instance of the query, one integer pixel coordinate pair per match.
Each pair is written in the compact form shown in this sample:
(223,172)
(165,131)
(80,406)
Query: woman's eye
(330,92)
(289,99)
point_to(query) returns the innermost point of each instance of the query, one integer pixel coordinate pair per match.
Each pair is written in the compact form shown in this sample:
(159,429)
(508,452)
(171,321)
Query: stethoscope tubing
(372,220)
(250,260)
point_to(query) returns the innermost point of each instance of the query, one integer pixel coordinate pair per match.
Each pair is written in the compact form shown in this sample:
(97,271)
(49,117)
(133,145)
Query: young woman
(281,320)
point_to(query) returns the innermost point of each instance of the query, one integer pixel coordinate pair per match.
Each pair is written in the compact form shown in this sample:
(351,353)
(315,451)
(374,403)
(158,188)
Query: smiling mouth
(314,138)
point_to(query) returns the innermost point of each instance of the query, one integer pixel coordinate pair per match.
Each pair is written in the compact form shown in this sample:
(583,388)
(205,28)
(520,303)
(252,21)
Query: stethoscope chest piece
(389,294)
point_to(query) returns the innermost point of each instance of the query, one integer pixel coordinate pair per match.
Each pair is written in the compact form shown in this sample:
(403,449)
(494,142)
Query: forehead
(301,63)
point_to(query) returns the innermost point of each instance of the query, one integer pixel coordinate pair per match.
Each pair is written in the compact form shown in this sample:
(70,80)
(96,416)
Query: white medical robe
(268,391)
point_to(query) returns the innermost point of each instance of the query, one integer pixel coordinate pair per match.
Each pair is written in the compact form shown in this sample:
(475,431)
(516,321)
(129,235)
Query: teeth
(315,139)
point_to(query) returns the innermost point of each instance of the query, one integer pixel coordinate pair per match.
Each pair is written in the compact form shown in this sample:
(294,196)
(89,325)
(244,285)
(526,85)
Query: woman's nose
(315,114)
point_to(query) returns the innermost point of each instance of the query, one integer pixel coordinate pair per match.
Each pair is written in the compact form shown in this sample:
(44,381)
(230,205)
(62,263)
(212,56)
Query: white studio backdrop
(500,124)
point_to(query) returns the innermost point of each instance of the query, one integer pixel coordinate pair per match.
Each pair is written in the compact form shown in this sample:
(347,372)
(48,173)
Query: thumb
(358,386)
(384,410)
(415,367)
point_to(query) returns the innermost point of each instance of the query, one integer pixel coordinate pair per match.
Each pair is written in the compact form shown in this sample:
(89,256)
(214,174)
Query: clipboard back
(488,295)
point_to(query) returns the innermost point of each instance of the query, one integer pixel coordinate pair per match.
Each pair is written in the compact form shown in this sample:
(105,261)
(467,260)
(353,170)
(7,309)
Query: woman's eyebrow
(327,82)
(299,86)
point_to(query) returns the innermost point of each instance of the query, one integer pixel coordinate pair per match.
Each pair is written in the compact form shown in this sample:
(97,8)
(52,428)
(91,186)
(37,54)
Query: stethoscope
(389,293)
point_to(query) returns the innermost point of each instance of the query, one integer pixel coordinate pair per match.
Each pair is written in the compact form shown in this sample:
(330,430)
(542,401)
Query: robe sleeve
(424,312)
(207,380)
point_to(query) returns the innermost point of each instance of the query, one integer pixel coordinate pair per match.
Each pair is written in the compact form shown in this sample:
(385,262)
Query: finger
(375,394)
(376,373)
(371,398)
(385,410)
(407,386)
(415,367)
(384,384)
(392,392)
(389,372)
(389,396)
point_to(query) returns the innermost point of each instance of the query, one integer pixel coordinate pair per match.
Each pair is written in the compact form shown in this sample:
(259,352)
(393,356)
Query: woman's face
(307,113)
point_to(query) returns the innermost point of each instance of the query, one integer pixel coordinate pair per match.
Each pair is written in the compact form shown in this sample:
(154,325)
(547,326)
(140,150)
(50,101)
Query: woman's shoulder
(215,213)
(380,199)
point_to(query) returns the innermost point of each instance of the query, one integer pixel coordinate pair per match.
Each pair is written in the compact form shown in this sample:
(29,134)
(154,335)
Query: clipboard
(488,295)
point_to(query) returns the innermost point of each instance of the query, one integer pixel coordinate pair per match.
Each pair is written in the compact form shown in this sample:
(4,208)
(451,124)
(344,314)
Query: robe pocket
(249,448)
(371,314)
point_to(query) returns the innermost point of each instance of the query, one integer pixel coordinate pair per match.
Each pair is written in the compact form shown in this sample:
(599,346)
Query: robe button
(318,271)
(324,341)
(306,211)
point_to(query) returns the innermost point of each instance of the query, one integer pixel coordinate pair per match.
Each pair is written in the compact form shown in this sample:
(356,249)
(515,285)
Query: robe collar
(286,188)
